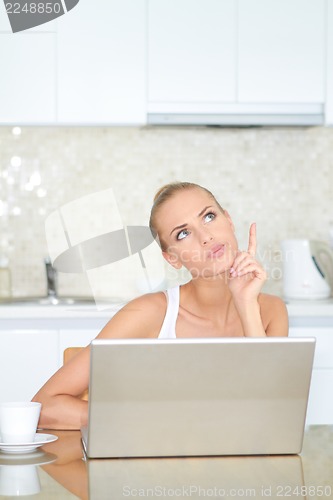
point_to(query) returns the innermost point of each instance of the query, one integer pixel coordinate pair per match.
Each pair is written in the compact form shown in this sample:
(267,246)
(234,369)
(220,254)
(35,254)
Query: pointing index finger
(252,239)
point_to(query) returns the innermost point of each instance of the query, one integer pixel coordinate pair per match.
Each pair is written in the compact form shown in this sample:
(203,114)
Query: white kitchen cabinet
(28,358)
(320,406)
(31,350)
(281,51)
(28,78)
(86,67)
(236,61)
(112,62)
(192,51)
(101,57)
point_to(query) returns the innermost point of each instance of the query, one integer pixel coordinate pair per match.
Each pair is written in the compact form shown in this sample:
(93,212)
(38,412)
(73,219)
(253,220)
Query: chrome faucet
(51,279)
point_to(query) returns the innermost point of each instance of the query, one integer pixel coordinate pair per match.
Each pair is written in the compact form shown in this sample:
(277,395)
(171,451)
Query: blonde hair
(165,193)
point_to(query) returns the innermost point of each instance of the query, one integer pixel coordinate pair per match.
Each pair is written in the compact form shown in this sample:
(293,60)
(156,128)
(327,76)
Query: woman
(222,299)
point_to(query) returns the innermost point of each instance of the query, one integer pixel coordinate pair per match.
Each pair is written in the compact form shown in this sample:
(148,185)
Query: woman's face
(196,234)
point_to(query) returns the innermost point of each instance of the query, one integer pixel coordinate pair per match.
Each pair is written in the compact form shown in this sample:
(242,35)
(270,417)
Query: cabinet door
(192,51)
(101,63)
(281,51)
(324,343)
(27,83)
(320,406)
(28,358)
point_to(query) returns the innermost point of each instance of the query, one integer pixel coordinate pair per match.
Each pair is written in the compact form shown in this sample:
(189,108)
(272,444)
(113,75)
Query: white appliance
(307,269)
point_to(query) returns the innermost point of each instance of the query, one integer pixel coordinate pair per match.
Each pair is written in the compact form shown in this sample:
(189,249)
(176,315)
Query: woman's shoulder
(140,317)
(271,302)
(274,314)
(148,301)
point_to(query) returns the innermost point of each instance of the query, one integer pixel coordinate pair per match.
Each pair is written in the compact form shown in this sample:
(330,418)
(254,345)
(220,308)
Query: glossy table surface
(59,471)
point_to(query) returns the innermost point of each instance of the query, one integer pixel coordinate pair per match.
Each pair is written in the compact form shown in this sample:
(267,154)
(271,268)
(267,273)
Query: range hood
(236,114)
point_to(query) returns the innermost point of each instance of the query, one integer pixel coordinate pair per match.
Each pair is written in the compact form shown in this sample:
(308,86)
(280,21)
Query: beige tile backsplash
(282,178)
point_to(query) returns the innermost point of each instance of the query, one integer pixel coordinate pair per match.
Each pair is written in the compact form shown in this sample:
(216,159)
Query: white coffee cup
(18,422)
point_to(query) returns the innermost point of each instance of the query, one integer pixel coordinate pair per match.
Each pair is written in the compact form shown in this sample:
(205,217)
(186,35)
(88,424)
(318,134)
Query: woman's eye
(182,234)
(209,217)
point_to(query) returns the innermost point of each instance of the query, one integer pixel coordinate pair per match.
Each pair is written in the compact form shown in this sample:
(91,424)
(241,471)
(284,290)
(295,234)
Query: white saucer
(40,440)
(35,457)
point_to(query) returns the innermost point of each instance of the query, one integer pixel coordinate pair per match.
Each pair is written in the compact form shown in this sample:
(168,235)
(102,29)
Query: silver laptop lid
(221,396)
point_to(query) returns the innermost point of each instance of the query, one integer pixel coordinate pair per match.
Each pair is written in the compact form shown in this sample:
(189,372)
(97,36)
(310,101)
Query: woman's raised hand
(246,275)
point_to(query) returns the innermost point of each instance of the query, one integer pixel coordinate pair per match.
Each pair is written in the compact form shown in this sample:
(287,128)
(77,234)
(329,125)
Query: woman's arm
(275,316)
(260,315)
(266,316)
(62,407)
(246,278)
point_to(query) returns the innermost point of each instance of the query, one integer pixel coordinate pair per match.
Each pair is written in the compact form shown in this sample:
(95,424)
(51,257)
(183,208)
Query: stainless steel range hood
(231,114)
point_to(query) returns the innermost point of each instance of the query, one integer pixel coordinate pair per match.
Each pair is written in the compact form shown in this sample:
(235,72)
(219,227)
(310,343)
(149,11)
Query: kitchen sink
(47,301)
(61,302)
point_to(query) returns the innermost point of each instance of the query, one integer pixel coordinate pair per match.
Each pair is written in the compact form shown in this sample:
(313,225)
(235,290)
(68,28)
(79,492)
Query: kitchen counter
(306,308)
(59,471)
(323,307)
(23,315)
(35,310)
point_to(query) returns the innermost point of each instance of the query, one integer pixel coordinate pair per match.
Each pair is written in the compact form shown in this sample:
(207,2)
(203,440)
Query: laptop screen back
(183,397)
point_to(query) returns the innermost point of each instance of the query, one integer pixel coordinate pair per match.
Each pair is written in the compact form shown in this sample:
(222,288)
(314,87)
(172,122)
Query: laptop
(197,397)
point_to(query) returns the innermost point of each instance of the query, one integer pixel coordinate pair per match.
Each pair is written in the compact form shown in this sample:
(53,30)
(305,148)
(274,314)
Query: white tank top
(168,330)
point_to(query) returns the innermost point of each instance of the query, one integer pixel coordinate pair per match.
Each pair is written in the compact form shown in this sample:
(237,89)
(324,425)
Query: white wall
(281,178)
